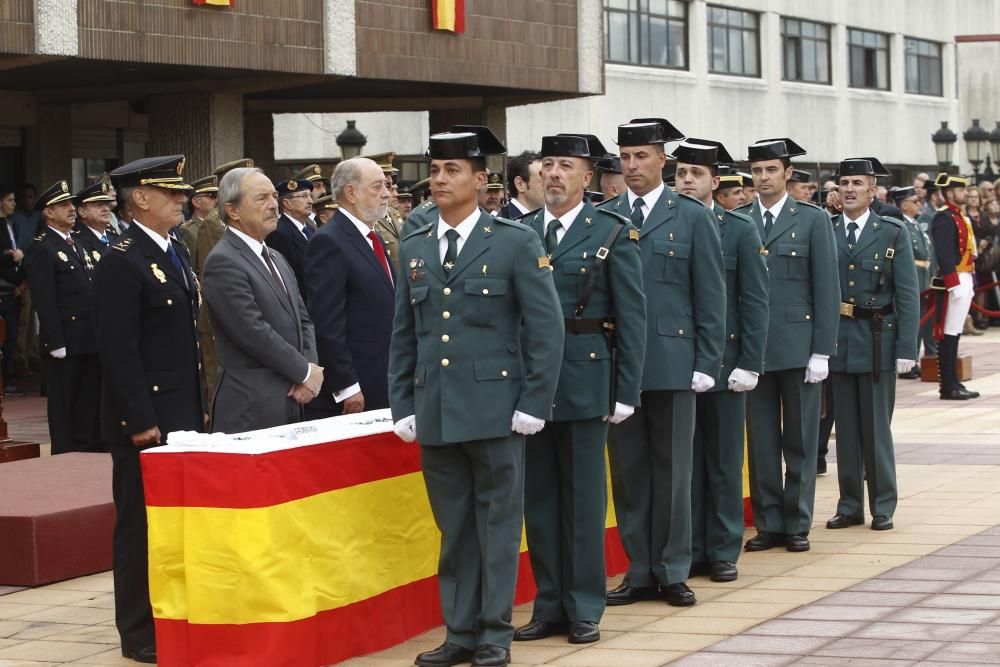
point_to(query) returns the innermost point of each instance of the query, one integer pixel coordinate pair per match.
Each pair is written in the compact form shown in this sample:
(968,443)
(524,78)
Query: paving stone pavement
(927,592)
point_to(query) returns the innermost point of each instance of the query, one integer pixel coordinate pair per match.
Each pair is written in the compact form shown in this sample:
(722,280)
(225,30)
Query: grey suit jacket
(263,337)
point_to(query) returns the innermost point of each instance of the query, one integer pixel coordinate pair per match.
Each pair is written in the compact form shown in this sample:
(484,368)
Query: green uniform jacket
(923,250)
(804,295)
(685,290)
(456,360)
(585,379)
(861,271)
(422,215)
(746,295)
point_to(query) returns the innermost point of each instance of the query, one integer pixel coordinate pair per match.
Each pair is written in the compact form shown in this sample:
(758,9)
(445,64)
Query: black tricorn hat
(609,165)
(862,166)
(597,149)
(489,144)
(945,181)
(646,131)
(799,176)
(566,145)
(701,151)
(774,149)
(747,179)
(898,194)
(464,144)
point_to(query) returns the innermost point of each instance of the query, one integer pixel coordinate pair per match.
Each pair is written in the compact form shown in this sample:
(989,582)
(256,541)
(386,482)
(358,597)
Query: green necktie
(768,224)
(852,235)
(637,216)
(451,254)
(551,240)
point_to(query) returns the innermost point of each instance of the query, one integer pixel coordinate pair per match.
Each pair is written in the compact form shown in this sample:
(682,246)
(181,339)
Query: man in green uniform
(784,409)
(203,201)
(908,202)
(598,276)
(717,480)
(651,453)
(877,338)
(473,367)
(729,194)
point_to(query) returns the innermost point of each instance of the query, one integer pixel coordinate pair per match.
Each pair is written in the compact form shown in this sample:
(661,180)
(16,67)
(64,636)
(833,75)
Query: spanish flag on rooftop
(449,15)
(295,546)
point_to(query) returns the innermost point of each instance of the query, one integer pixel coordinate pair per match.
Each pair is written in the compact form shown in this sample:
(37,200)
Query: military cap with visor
(205,186)
(309,173)
(799,176)
(565,145)
(293,186)
(165,172)
(99,191)
(242,163)
(57,193)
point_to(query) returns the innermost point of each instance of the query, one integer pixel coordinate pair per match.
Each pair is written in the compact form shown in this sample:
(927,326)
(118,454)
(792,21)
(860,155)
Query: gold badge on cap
(180,167)
(316,170)
(292,185)
(158,273)
(64,186)
(104,187)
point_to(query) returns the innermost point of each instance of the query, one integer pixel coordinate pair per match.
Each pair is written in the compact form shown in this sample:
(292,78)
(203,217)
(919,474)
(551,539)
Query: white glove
(741,380)
(525,424)
(406,429)
(961,291)
(701,382)
(622,412)
(904,365)
(59,354)
(818,368)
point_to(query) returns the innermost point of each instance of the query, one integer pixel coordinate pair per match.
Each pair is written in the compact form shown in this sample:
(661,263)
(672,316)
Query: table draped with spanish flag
(300,545)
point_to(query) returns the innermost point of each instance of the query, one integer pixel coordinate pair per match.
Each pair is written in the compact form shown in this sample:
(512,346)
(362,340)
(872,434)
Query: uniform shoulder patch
(633,235)
(123,245)
(544,263)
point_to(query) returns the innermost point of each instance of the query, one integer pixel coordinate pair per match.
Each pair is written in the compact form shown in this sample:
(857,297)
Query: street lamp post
(944,140)
(995,151)
(976,138)
(351,141)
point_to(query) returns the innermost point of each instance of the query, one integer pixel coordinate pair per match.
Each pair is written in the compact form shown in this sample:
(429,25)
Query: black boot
(950,390)
(972,394)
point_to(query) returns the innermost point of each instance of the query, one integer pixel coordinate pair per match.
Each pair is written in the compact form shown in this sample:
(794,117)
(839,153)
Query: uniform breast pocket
(418,301)
(572,271)
(874,269)
(795,257)
(485,296)
(674,258)
(731,262)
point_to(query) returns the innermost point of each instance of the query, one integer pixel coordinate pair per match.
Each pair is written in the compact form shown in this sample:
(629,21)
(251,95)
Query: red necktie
(380,253)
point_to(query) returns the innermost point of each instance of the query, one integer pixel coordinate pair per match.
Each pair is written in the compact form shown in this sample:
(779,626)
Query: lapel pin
(484,269)
(588,221)
(792,210)
(488,230)
(793,235)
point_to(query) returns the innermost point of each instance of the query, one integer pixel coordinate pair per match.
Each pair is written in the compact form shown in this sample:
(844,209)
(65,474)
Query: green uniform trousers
(650,455)
(717,478)
(783,419)
(864,442)
(476,491)
(566,502)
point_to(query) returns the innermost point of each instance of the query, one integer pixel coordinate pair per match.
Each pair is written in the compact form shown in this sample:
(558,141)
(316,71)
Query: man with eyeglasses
(203,201)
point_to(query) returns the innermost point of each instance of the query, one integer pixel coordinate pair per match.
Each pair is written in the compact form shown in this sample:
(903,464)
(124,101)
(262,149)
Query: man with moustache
(717,481)
(594,255)
(263,334)
(145,303)
(476,348)
(204,201)
(93,229)
(651,453)
(295,227)
(491,197)
(907,201)
(351,289)
(784,409)
(60,272)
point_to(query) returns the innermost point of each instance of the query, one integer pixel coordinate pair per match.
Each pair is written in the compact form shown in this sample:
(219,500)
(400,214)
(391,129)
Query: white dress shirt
(298,225)
(861,221)
(520,207)
(463,228)
(648,200)
(65,237)
(161,241)
(96,233)
(565,219)
(775,210)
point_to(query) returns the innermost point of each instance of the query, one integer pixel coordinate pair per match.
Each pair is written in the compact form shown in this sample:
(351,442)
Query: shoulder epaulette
(40,236)
(747,206)
(810,205)
(689,198)
(422,229)
(736,215)
(122,245)
(608,202)
(891,220)
(617,217)
(513,223)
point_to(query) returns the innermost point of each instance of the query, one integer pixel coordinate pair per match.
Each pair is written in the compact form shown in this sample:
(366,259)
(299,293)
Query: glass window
(806,51)
(733,41)
(646,32)
(923,67)
(868,53)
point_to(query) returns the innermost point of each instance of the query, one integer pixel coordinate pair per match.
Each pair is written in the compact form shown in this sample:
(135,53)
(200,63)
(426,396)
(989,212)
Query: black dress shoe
(583,632)
(488,655)
(972,394)
(539,630)
(677,595)
(821,467)
(626,594)
(957,394)
(882,522)
(797,543)
(843,521)
(723,570)
(145,655)
(912,374)
(702,569)
(764,541)
(444,655)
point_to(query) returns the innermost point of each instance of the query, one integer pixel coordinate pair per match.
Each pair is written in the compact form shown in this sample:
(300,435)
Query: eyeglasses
(299,195)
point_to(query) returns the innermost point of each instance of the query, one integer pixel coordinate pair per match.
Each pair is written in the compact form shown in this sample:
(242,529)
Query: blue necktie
(172,254)
(308,231)
(104,239)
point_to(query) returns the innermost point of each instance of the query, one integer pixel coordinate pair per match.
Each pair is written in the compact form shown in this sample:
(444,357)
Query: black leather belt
(864,312)
(579,325)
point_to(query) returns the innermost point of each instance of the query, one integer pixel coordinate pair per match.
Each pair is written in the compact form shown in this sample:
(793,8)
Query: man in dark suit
(351,294)
(295,228)
(93,229)
(524,186)
(263,334)
(60,275)
(12,276)
(145,305)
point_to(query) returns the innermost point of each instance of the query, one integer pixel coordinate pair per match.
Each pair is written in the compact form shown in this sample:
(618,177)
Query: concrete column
(48,146)
(258,140)
(206,127)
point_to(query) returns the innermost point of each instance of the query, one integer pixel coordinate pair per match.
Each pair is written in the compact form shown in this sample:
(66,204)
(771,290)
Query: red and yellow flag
(220,3)
(449,15)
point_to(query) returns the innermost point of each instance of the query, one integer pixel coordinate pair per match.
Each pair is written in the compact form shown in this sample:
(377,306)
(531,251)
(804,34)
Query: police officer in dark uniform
(93,229)
(146,308)
(60,272)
